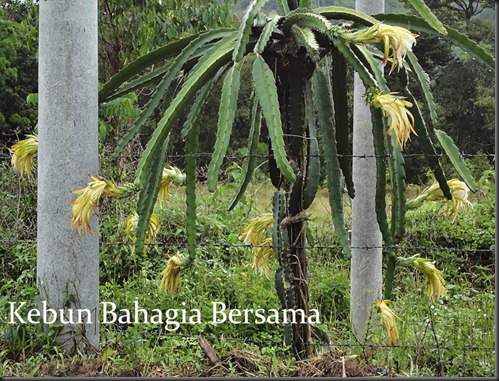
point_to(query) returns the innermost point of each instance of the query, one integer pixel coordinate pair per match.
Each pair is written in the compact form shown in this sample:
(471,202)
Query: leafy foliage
(285,51)
(290,50)
(131,30)
(18,76)
(223,272)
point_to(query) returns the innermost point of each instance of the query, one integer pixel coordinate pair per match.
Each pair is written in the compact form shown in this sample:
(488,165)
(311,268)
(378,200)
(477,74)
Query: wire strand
(244,246)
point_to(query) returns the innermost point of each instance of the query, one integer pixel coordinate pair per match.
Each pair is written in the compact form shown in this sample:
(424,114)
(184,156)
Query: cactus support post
(366,270)
(67,264)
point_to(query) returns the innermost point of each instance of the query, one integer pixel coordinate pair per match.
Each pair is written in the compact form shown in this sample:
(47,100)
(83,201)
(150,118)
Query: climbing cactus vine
(299,107)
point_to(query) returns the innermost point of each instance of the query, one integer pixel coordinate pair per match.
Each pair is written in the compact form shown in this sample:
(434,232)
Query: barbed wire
(228,245)
(335,247)
(249,340)
(179,244)
(267,156)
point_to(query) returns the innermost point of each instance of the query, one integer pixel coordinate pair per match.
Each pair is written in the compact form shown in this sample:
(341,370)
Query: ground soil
(234,363)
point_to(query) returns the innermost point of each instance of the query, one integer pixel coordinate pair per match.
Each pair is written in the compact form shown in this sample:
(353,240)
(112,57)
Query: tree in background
(18,70)
(464,90)
(128,30)
(461,8)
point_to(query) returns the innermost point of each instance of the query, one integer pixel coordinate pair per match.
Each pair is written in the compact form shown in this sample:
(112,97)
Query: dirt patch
(83,368)
(334,365)
(233,363)
(71,368)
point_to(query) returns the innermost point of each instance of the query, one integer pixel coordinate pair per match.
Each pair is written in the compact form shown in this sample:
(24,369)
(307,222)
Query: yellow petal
(22,154)
(254,233)
(389,320)
(170,175)
(151,231)
(261,256)
(434,278)
(398,39)
(86,202)
(401,119)
(171,281)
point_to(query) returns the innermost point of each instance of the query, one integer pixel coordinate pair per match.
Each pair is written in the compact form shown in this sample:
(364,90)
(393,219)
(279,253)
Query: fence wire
(423,346)
(267,156)
(249,340)
(245,246)
(7,156)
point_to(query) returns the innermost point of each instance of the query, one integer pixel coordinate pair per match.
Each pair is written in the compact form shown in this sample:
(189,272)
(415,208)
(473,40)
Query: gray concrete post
(67,264)
(366,270)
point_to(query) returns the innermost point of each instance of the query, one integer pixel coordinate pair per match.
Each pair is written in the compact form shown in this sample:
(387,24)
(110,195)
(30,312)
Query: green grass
(450,337)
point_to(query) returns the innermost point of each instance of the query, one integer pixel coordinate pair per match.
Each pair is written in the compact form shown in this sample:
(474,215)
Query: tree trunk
(366,263)
(67,264)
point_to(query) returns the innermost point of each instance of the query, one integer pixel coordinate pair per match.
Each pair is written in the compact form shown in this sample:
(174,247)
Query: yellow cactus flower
(85,203)
(171,174)
(434,278)
(459,192)
(254,233)
(401,119)
(262,255)
(152,228)
(88,199)
(459,200)
(389,320)
(22,154)
(171,275)
(399,39)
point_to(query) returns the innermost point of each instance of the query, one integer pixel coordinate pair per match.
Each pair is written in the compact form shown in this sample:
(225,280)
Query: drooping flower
(171,174)
(171,275)
(399,39)
(434,278)
(88,200)
(401,119)
(389,320)
(262,255)
(85,203)
(152,228)
(459,200)
(22,154)
(254,233)
(459,192)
